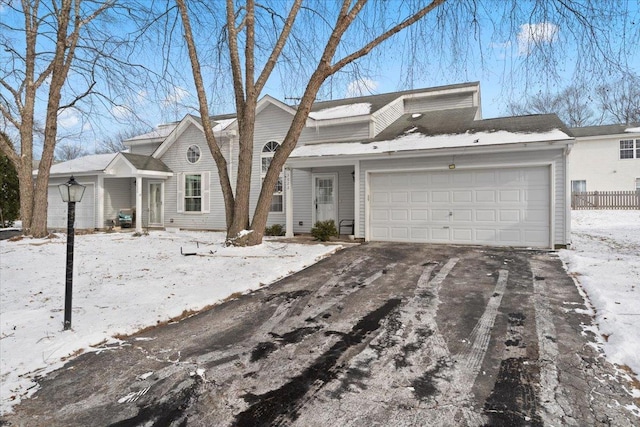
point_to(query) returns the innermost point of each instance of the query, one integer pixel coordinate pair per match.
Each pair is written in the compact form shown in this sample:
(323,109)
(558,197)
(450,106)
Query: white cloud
(121,111)
(68,118)
(176,95)
(361,87)
(533,34)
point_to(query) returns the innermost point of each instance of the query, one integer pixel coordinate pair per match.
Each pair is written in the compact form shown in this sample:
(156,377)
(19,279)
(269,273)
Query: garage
(498,206)
(85,210)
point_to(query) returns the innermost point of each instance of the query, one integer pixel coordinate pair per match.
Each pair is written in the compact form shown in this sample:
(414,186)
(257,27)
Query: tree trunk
(243,181)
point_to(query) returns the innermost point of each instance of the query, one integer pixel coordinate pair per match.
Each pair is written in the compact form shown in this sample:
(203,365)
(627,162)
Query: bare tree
(325,40)
(44,45)
(115,143)
(573,105)
(69,151)
(620,100)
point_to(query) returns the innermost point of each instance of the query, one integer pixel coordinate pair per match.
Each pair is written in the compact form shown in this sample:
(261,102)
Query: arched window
(269,149)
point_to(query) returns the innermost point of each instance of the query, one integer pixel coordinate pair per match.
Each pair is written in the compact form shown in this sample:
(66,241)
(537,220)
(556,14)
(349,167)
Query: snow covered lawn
(122,284)
(605,260)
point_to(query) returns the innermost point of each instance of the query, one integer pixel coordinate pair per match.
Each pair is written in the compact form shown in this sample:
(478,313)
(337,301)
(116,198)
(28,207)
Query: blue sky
(497,59)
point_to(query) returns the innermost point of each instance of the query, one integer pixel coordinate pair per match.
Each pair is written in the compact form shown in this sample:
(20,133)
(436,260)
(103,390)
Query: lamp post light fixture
(71,192)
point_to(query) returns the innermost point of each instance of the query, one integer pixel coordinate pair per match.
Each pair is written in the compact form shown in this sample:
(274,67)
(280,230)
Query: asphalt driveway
(378,334)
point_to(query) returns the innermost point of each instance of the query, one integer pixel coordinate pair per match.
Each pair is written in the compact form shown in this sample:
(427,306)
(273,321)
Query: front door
(155,204)
(325,200)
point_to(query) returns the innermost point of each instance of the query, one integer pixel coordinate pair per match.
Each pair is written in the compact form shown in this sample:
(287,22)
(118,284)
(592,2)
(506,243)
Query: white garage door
(85,210)
(502,207)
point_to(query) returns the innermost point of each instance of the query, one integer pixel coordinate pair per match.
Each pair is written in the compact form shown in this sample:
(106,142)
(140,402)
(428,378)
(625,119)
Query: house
(415,166)
(605,158)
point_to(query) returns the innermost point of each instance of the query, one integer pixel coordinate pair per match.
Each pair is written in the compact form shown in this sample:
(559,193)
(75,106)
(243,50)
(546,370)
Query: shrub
(274,230)
(323,230)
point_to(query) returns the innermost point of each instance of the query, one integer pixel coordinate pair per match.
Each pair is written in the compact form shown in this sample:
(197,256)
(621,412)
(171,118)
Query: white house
(415,166)
(605,158)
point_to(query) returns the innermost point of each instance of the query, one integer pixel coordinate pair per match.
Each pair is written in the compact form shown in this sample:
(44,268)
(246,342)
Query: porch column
(100,193)
(139,213)
(356,199)
(288,195)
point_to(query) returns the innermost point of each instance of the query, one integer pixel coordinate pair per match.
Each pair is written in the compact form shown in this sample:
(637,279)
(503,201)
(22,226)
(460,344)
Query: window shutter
(180,192)
(205,192)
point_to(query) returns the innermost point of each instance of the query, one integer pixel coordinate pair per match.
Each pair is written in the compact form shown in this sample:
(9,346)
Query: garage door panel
(399,197)
(465,215)
(485,235)
(498,207)
(400,233)
(485,178)
(380,233)
(485,215)
(509,177)
(537,216)
(509,215)
(440,235)
(440,215)
(380,197)
(463,196)
(440,196)
(419,234)
(419,215)
(419,197)
(399,215)
(464,178)
(485,196)
(380,215)
(536,195)
(509,196)
(462,235)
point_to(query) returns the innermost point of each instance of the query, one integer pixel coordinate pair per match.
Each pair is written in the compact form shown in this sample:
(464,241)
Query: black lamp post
(71,192)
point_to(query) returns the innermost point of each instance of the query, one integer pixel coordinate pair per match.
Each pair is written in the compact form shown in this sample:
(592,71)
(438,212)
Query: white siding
(339,133)
(144,149)
(553,157)
(86,212)
(444,102)
(302,190)
(387,115)
(598,162)
(176,159)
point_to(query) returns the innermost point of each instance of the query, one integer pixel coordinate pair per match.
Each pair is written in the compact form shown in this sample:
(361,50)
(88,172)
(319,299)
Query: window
(630,149)
(638,184)
(268,151)
(193,154)
(579,186)
(193,193)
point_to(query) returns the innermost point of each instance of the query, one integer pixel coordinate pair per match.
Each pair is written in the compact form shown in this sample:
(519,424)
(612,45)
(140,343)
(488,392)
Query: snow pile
(605,260)
(122,284)
(417,141)
(342,111)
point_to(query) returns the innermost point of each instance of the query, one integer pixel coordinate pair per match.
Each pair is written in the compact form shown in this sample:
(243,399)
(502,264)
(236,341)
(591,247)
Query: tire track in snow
(557,411)
(360,397)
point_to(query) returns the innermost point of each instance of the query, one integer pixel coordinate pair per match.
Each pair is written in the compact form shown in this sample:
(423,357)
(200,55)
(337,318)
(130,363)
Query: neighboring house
(605,158)
(415,166)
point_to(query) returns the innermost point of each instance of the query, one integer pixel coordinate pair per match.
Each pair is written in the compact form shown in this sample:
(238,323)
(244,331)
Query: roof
(320,110)
(94,163)
(605,130)
(447,129)
(162,131)
(378,101)
(97,163)
(461,120)
(147,163)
